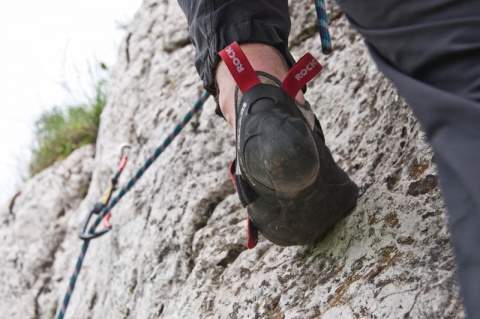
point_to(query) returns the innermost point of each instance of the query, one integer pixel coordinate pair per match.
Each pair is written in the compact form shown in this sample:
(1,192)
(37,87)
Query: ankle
(262,57)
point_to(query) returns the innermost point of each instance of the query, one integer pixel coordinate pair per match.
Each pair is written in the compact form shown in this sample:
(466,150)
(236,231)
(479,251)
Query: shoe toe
(281,155)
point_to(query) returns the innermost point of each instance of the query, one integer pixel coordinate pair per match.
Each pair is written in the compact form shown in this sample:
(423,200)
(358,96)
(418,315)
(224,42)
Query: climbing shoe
(284,173)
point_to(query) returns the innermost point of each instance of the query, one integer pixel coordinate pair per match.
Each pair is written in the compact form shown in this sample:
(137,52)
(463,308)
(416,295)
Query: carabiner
(83,233)
(124,149)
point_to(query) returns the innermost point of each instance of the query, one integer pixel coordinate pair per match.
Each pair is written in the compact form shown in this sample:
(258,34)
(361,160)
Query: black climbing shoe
(284,174)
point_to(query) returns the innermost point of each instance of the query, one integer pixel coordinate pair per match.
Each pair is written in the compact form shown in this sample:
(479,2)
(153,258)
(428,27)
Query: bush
(61,131)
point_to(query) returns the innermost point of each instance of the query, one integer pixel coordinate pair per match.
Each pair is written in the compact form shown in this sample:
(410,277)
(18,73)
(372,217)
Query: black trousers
(214,24)
(429,49)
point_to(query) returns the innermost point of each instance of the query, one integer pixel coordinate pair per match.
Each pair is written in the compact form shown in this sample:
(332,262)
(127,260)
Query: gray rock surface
(33,234)
(177,249)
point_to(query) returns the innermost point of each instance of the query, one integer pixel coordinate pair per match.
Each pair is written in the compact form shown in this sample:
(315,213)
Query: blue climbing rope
(73,279)
(323,26)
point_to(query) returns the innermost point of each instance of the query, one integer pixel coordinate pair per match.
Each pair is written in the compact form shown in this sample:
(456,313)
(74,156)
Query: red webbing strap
(252,234)
(300,74)
(238,65)
(231,170)
(122,164)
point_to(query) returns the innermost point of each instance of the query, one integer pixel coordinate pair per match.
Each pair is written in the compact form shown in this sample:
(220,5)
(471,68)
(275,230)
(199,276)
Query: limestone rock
(177,249)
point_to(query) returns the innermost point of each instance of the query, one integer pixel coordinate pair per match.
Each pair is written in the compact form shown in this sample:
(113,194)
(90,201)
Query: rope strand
(78,266)
(323,26)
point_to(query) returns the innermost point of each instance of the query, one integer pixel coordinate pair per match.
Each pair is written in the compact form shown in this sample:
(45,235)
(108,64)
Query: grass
(60,131)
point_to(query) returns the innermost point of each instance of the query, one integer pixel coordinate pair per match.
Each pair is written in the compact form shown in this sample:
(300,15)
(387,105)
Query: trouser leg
(464,223)
(430,50)
(214,24)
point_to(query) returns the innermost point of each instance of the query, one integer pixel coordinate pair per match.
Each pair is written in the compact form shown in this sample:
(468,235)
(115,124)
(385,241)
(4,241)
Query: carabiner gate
(83,233)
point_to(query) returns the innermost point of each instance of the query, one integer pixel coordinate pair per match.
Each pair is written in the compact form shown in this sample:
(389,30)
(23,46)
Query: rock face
(177,248)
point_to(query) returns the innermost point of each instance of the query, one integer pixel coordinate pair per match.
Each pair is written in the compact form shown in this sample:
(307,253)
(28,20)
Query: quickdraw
(103,201)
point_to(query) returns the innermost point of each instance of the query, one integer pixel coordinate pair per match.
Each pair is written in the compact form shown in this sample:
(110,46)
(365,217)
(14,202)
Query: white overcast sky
(44,43)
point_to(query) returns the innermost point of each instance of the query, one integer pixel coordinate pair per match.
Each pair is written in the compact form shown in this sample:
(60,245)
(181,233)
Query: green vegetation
(62,130)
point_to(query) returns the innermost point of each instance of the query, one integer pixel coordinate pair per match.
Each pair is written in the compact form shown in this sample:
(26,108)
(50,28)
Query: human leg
(430,51)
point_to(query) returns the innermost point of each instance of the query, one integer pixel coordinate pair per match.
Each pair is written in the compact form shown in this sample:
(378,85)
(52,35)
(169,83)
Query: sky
(49,50)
